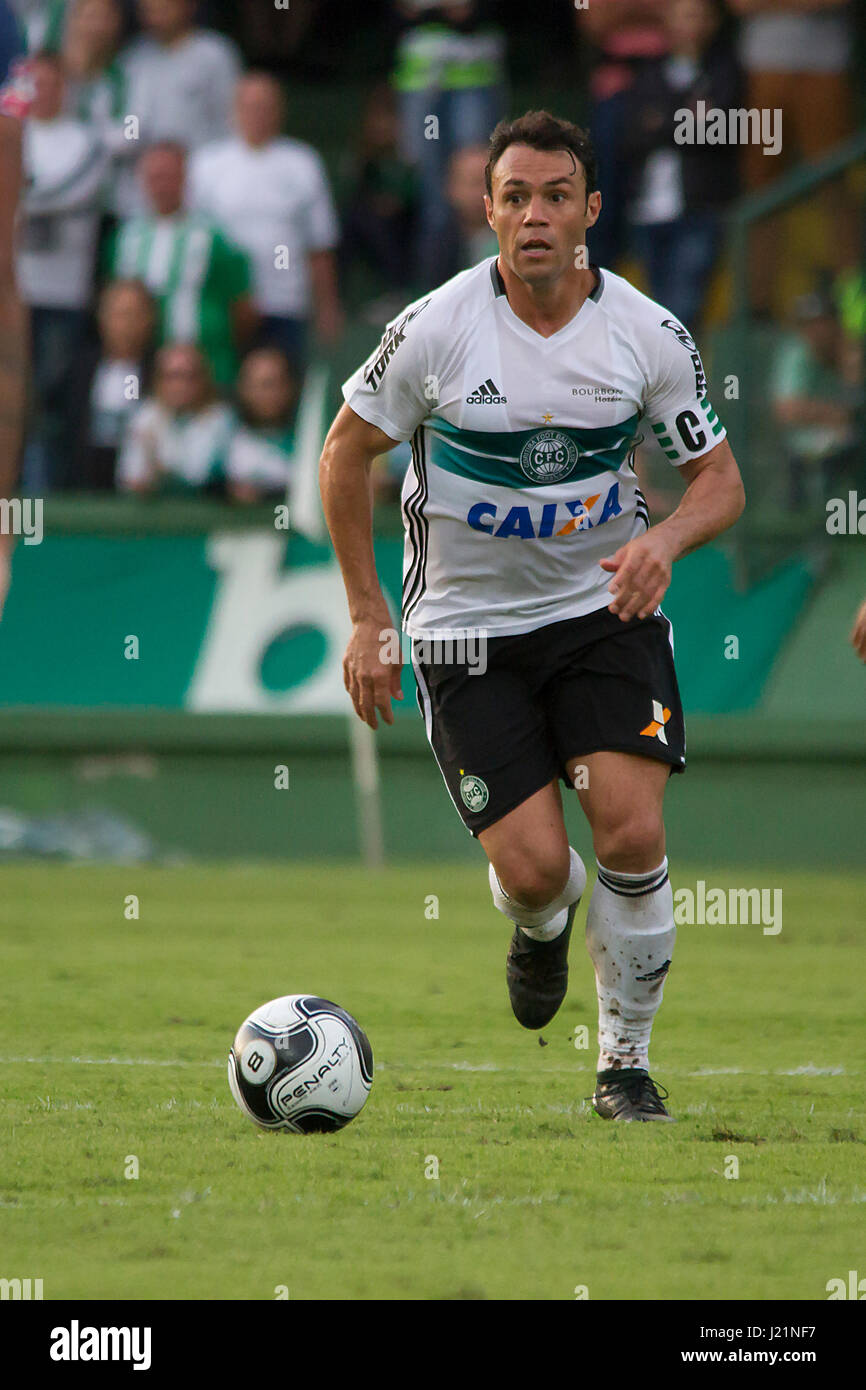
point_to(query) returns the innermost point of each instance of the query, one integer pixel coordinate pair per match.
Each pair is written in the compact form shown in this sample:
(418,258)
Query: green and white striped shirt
(196,276)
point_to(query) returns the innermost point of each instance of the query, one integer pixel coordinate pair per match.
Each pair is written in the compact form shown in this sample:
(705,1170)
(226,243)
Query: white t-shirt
(276,204)
(65,166)
(521,478)
(255,459)
(182,91)
(190,449)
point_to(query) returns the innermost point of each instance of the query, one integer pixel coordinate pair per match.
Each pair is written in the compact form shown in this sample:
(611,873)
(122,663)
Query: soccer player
(523,384)
(15,99)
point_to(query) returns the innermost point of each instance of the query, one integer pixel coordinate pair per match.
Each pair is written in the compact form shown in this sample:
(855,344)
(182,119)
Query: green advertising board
(254,621)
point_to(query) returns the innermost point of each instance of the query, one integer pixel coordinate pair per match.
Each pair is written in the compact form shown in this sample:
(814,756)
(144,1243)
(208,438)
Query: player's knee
(631,842)
(534,879)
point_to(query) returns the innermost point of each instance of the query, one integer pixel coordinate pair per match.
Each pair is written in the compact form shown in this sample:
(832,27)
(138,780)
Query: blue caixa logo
(528,523)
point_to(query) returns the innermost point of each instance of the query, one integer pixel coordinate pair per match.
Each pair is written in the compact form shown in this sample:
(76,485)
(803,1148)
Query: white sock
(542,923)
(630,935)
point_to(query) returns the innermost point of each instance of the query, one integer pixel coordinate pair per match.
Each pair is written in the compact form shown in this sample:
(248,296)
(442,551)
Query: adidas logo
(487,394)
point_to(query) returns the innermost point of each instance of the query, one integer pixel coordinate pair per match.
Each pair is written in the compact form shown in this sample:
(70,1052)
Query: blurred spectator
(815,403)
(379,206)
(110,379)
(450,76)
(261,452)
(624,35)
(270,195)
(201,281)
(65,166)
(90,44)
(178,440)
(42,23)
(95,80)
(271,34)
(797,58)
(181,79)
(468,236)
(678,192)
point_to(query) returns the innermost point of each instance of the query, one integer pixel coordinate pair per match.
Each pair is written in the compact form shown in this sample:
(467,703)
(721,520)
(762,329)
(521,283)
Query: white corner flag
(306,517)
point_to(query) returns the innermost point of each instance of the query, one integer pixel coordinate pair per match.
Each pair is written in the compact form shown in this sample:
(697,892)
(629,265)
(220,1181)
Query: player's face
(540,211)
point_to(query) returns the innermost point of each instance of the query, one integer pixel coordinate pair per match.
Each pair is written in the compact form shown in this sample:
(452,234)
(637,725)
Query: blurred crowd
(176,249)
(183,253)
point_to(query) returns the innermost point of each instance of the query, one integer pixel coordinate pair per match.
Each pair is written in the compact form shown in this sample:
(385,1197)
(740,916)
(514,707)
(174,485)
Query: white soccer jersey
(521,478)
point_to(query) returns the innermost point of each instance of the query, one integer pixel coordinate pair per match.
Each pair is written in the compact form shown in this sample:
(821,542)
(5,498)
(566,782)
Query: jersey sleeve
(396,386)
(683,421)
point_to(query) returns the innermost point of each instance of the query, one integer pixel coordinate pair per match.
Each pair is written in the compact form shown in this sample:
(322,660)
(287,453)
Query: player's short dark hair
(542,131)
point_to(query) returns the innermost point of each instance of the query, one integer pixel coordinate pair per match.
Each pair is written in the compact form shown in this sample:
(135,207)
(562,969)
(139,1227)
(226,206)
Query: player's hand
(373,682)
(642,573)
(858,633)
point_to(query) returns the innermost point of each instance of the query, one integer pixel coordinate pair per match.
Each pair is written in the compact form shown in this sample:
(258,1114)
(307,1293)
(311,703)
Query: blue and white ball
(301,1063)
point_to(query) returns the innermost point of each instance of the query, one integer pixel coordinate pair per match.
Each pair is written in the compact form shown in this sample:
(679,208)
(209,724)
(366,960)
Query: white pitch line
(103,1062)
(809,1069)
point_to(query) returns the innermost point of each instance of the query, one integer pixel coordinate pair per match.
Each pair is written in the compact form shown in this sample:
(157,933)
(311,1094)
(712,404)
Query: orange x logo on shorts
(657,728)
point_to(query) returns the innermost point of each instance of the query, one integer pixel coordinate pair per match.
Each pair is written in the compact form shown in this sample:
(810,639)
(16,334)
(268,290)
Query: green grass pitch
(113,1046)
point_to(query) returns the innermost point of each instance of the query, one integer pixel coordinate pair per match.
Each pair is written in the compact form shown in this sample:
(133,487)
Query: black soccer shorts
(565,690)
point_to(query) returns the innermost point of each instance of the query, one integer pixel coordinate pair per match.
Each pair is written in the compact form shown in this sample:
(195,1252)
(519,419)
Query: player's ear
(593,208)
(488,208)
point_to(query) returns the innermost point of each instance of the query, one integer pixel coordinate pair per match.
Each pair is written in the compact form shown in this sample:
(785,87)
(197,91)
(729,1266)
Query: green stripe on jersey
(531,458)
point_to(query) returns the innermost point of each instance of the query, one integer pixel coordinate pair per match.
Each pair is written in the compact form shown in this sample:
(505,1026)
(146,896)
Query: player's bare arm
(344,478)
(13,314)
(713,500)
(14,334)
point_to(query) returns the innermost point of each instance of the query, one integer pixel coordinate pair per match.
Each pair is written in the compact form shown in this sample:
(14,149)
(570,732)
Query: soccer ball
(302,1064)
